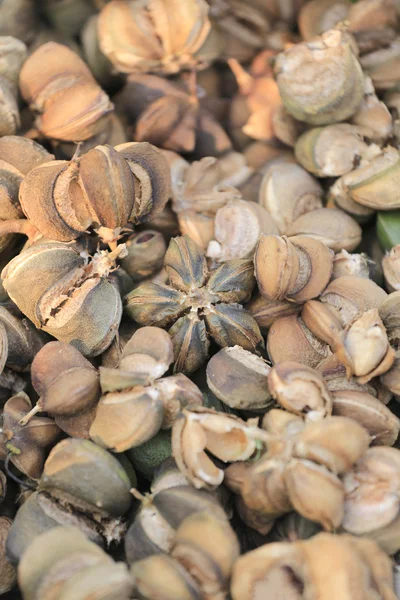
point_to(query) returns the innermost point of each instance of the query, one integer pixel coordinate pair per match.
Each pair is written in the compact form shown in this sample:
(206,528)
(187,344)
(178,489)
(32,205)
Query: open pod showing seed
(297,269)
(330,60)
(349,297)
(371,500)
(66,294)
(287,191)
(75,472)
(237,229)
(382,425)
(300,389)
(364,347)
(224,436)
(80,111)
(138,37)
(294,570)
(207,547)
(374,185)
(239,379)
(159,516)
(149,352)
(331,151)
(331,226)
(359,265)
(290,339)
(26,444)
(63,563)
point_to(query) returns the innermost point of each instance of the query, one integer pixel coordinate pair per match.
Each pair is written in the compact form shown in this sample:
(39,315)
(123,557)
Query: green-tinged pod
(232,325)
(388,229)
(147,457)
(155,304)
(233,281)
(321,82)
(189,337)
(66,295)
(185,264)
(78,469)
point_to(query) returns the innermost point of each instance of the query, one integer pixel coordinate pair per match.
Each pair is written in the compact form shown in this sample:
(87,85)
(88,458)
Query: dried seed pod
(67,16)
(145,254)
(293,527)
(99,64)
(374,184)
(296,269)
(382,66)
(331,226)
(160,514)
(334,374)
(330,59)
(290,339)
(68,386)
(266,311)
(11,23)
(331,151)
(371,503)
(237,229)
(74,568)
(162,576)
(57,288)
(12,55)
(207,547)
(357,265)
(389,313)
(75,471)
(64,199)
(391,269)
(339,197)
(23,340)
(300,390)
(382,425)
(287,191)
(350,297)
(225,436)
(143,38)
(239,379)
(373,116)
(365,350)
(323,323)
(80,111)
(26,443)
(7,571)
(198,302)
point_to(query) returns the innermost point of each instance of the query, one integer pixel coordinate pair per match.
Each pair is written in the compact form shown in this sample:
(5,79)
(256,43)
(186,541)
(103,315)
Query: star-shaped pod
(198,304)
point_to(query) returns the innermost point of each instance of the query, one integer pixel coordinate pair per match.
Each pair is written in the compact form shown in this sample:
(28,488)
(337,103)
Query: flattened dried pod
(127,418)
(365,350)
(80,111)
(331,61)
(300,389)
(239,379)
(66,382)
(224,436)
(64,287)
(352,296)
(290,339)
(391,269)
(162,576)
(237,228)
(266,311)
(298,269)
(375,184)
(149,351)
(143,38)
(382,425)
(330,151)
(75,470)
(207,547)
(287,191)
(331,226)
